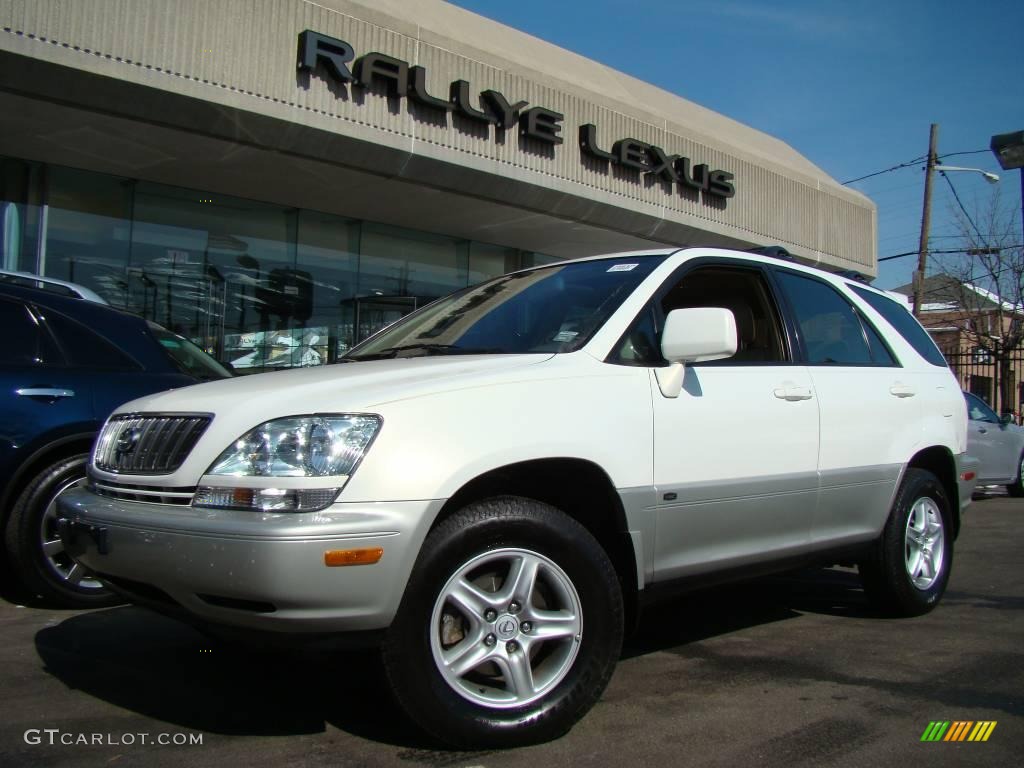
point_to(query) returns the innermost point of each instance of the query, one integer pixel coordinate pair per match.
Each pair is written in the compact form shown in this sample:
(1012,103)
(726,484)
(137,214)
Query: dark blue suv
(65,363)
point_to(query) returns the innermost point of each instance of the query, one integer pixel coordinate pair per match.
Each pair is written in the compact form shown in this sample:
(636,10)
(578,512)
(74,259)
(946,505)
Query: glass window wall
(21,214)
(258,286)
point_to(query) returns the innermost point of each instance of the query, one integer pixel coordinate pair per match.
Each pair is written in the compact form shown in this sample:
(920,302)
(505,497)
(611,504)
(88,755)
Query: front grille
(149,494)
(147,444)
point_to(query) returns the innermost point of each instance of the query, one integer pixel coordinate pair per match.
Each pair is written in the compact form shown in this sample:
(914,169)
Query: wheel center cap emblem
(507,627)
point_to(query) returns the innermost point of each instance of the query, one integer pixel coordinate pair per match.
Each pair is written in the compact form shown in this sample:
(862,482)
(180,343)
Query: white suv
(492,486)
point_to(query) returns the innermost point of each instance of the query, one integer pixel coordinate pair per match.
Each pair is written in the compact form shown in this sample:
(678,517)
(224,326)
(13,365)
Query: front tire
(910,569)
(510,627)
(34,548)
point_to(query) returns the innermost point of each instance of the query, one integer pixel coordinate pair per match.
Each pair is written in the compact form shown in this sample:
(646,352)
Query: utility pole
(926,216)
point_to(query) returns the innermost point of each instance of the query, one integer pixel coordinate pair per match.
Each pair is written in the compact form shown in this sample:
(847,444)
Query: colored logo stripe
(982,730)
(958,730)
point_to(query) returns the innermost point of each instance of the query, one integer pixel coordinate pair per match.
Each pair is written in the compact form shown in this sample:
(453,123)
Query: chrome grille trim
(145,494)
(148,443)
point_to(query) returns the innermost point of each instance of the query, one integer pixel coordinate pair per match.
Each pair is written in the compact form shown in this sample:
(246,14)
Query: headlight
(300,446)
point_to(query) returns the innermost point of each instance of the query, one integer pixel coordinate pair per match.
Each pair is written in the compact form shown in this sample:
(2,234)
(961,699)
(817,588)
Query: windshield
(551,309)
(187,356)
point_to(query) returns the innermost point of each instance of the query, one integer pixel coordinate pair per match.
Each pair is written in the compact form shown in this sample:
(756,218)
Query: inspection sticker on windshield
(622,267)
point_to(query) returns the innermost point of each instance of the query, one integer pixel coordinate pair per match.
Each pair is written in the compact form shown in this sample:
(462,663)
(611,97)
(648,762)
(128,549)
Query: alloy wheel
(924,543)
(57,559)
(506,628)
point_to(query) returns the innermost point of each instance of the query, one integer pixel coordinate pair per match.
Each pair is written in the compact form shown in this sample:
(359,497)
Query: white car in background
(997,443)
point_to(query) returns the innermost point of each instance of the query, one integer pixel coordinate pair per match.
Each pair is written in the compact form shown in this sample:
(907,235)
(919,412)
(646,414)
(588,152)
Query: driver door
(735,455)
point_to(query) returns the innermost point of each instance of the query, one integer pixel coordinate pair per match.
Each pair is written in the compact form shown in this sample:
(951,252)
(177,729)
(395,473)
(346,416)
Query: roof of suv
(50,285)
(753,255)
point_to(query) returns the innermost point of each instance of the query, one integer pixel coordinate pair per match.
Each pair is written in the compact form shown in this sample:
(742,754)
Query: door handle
(901,390)
(792,393)
(982,430)
(52,393)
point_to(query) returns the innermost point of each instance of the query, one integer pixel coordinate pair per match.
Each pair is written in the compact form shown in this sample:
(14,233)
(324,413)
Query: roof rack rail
(775,251)
(59,287)
(852,274)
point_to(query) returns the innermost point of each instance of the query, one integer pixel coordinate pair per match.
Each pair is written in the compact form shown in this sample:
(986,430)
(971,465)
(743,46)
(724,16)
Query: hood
(347,387)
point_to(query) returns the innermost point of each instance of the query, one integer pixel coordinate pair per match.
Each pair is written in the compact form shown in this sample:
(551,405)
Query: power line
(941,250)
(911,253)
(972,152)
(913,162)
(961,235)
(991,275)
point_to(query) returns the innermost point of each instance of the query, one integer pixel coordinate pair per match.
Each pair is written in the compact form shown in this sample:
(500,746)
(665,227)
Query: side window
(742,291)
(977,410)
(831,329)
(26,342)
(85,348)
(642,343)
(899,317)
(880,353)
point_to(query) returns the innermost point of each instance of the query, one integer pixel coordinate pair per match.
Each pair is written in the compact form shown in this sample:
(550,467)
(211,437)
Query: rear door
(39,394)
(111,374)
(869,408)
(736,452)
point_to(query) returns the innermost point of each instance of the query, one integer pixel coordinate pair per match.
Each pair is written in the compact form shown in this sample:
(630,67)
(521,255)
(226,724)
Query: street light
(1009,151)
(991,178)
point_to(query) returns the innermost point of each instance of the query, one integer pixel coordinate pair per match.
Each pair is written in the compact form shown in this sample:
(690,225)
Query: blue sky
(853,86)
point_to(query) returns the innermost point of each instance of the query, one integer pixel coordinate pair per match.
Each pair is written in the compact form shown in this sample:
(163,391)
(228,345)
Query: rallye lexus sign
(400,79)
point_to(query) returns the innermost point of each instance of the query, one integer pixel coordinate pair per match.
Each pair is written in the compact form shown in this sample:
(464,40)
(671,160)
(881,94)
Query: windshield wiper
(427,349)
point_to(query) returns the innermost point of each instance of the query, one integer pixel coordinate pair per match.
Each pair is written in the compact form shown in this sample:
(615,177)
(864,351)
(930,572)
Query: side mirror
(1006,418)
(698,334)
(694,335)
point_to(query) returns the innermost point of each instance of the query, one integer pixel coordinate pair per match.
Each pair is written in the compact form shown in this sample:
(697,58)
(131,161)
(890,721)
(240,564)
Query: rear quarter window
(26,341)
(86,349)
(906,325)
(830,328)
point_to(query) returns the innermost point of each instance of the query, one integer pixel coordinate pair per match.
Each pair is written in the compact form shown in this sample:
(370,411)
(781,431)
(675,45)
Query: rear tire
(34,550)
(509,629)
(908,573)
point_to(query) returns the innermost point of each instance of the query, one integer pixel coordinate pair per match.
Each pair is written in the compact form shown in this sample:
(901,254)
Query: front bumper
(247,569)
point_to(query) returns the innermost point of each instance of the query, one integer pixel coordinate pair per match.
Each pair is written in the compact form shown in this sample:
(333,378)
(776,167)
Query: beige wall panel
(249,47)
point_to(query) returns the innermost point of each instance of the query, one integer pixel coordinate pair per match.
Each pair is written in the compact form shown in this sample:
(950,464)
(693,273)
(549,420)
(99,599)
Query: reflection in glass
(21,196)
(546,310)
(328,250)
(256,285)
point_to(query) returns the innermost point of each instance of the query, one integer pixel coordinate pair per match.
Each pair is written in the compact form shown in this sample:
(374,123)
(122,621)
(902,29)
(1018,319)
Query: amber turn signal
(337,557)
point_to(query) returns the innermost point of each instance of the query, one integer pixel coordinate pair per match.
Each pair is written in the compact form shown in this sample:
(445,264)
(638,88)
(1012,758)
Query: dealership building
(276,179)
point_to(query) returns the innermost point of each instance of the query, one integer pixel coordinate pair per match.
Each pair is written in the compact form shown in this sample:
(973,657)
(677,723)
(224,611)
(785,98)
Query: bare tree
(984,286)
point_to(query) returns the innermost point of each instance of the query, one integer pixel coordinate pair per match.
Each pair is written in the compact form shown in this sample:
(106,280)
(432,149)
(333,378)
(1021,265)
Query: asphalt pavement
(788,671)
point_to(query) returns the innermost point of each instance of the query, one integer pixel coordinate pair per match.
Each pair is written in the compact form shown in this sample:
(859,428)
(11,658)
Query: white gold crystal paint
(748,464)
